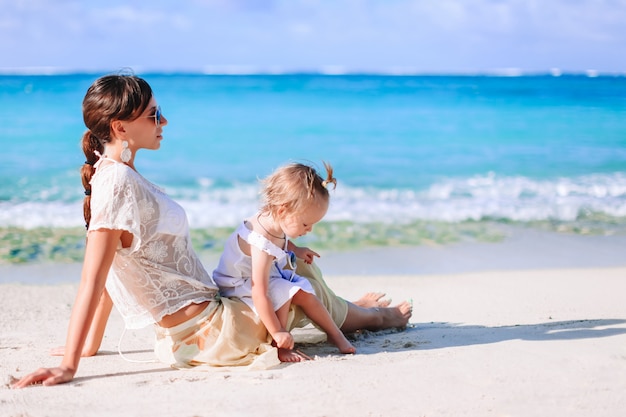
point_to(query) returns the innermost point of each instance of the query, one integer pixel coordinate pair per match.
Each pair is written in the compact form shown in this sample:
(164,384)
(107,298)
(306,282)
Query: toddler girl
(258,262)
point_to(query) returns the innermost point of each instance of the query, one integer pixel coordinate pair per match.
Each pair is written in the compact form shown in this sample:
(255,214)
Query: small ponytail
(329,177)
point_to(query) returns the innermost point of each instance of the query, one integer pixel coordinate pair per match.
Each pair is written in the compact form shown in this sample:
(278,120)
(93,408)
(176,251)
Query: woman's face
(144,132)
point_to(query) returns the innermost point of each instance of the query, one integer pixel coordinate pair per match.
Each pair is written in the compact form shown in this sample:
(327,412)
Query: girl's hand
(46,376)
(283,339)
(306,254)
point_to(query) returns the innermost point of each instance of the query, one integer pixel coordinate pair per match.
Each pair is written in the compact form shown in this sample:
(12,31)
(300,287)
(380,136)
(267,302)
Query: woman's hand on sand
(57,351)
(46,376)
(60,351)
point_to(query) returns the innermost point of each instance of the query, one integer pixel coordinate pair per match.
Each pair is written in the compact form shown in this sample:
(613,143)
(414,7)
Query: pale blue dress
(233,274)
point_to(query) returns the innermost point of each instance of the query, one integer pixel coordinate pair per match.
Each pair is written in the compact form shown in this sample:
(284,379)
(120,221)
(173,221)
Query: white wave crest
(449,200)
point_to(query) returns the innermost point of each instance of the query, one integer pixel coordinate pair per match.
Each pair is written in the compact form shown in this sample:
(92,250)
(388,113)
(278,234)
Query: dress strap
(261,242)
(104,158)
(100,159)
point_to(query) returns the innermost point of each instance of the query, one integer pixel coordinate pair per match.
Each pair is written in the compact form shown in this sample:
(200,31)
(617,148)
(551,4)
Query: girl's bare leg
(368,315)
(316,311)
(288,355)
(283,314)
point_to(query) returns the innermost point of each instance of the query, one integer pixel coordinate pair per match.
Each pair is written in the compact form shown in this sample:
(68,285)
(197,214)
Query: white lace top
(159,273)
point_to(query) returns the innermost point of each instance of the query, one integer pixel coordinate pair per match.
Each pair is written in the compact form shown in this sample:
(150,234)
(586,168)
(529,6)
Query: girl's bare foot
(373,299)
(292,355)
(342,344)
(347,349)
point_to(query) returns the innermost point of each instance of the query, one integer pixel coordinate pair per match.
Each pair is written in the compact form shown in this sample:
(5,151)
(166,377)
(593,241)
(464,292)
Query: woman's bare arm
(96,331)
(99,253)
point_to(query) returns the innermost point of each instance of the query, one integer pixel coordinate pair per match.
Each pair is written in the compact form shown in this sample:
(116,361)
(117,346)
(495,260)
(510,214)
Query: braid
(90,144)
(112,97)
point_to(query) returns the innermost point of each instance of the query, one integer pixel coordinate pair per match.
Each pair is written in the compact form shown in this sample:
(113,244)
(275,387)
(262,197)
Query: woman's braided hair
(112,97)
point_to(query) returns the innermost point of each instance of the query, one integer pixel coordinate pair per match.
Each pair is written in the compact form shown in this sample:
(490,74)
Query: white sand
(511,343)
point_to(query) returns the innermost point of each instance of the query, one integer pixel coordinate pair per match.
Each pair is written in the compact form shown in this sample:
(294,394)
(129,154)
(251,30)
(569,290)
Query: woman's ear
(117,128)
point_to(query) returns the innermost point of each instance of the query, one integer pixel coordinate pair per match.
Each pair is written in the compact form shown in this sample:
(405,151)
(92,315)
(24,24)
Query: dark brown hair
(110,98)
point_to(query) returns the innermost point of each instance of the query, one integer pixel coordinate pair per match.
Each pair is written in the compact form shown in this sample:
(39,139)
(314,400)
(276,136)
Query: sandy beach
(540,336)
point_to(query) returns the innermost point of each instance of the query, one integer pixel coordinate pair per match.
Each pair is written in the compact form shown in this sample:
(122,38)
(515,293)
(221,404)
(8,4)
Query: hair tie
(89,163)
(87,192)
(329,181)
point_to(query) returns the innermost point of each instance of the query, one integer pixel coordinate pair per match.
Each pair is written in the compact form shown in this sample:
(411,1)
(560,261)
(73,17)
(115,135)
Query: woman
(138,247)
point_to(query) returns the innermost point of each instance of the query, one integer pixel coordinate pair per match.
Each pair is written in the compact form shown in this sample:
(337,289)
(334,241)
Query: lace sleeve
(116,201)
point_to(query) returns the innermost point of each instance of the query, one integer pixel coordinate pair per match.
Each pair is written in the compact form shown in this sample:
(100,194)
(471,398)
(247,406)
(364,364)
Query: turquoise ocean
(418,158)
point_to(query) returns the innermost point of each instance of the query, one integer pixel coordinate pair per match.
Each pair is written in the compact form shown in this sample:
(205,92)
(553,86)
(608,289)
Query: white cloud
(428,35)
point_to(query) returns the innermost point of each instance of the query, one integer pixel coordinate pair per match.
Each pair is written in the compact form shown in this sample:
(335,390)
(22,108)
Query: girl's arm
(303,253)
(261,264)
(101,246)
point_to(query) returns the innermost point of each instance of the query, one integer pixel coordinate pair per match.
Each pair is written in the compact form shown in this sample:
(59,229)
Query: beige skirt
(226,333)
(336,306)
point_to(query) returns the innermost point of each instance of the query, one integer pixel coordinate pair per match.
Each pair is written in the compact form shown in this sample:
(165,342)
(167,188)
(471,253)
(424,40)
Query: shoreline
(521,249)
(65,245)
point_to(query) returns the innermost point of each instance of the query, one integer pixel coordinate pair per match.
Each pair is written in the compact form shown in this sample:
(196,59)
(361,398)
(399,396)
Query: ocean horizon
(332,70)
(419,158)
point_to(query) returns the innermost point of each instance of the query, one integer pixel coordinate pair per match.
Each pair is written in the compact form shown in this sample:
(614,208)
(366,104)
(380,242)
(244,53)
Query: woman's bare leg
(376,318)
(372,314)
(372,299)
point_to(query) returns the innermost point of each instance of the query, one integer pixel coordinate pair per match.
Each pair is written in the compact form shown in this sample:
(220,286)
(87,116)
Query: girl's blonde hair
(294,187)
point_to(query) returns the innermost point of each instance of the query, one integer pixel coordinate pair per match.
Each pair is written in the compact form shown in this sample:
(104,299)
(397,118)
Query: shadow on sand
(435,335)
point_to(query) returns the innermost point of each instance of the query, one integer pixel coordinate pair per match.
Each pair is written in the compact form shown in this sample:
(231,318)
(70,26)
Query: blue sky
(424,36)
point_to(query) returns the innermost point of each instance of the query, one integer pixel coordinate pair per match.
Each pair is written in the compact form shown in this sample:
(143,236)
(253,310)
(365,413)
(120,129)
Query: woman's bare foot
(292,355)
(397,316)
(377,318)
(372,299)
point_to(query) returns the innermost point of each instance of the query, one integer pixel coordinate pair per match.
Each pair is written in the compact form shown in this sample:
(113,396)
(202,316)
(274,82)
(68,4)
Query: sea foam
(477,198)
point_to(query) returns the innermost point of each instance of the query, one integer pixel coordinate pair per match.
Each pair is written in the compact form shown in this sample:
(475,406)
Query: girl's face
(300,223)
(144,132)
